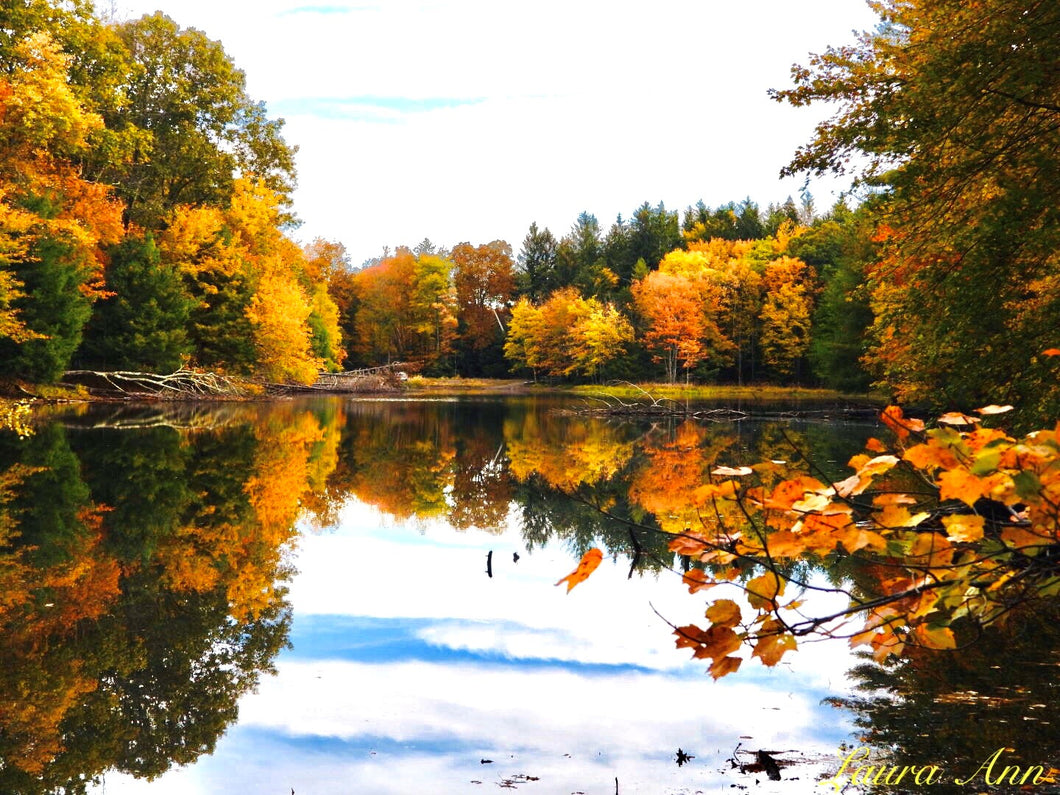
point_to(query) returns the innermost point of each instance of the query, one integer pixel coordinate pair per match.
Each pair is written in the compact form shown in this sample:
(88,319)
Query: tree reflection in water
(141,574)
(143,557)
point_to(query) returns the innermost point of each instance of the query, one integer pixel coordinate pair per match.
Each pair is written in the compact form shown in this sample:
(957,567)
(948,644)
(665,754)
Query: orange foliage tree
(680,315)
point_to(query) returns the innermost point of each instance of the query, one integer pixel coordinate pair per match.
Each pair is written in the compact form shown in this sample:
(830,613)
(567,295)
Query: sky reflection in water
(409,666)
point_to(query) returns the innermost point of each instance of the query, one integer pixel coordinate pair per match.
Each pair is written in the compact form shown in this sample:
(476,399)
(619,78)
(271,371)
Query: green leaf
(1027,484)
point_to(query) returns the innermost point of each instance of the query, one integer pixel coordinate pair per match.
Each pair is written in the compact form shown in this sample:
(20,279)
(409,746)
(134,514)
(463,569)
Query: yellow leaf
(763,590)
(590,560)
(724,613)
(963,527)
(772,647)
(939,638)
(931,549)
(1023,538)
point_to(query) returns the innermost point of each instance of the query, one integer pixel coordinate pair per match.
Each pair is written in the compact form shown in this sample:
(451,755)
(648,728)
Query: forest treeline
(146,226)
(735,293)
(145,223)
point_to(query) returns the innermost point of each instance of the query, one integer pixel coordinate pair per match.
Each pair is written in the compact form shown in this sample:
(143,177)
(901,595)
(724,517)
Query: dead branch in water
(182,384)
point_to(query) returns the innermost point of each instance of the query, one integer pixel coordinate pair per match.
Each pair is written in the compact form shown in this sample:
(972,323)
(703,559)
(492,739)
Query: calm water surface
(359,597)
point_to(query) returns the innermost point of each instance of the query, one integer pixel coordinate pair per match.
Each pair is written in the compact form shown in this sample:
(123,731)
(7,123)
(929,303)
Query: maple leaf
(771,648)
(724,613)
(696,580)
(725,666)
(961,485)
(874,445)
(763,590)
(590,560)
(895,419)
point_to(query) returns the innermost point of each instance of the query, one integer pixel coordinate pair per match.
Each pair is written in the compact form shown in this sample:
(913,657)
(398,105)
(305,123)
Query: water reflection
(957,709)
(142,578)
(146,584)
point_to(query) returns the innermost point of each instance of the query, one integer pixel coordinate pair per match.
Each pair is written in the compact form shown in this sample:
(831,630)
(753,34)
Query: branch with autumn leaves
(930,539)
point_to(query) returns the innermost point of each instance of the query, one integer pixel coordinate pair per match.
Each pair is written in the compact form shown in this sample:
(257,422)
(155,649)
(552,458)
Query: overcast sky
(465,120)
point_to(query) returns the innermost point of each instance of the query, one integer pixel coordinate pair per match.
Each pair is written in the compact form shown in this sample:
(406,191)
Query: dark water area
(339,596)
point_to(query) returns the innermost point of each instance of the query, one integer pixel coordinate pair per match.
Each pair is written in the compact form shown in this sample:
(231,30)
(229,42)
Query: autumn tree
(567,335)
(199,243)
(484,280)
(947,107)
(786,314)
(680,319)
(406,310)
(53,223)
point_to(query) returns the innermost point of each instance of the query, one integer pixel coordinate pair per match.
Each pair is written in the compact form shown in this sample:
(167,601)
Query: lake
(360,596)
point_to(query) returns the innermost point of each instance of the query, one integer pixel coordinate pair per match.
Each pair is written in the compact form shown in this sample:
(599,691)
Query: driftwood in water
(386,378)
(181,385)
(607,405)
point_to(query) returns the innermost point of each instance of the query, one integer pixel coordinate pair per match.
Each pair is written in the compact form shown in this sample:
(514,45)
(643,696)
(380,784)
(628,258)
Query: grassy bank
(680,392)
(717,392)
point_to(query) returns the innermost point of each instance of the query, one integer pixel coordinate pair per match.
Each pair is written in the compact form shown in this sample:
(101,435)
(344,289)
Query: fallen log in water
(180,385)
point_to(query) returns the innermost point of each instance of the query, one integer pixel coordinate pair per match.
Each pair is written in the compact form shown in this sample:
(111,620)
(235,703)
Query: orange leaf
(895,419)
(1051,352)
(772,647)
(696,580)
(590,560)
(724,613)
(961,485)
(725,666)
(785,544)
(930,456)
(689,544)
(874,445)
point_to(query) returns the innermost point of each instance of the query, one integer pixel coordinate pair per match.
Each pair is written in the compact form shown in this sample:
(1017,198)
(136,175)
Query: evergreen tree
(141,326)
